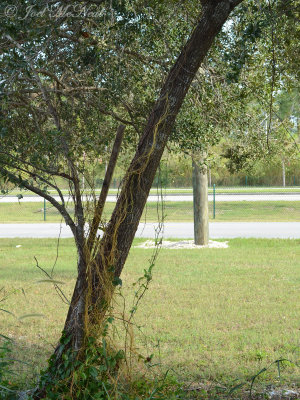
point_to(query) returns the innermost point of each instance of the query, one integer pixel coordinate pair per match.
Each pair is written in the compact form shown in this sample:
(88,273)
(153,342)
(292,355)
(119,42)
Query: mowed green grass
(173,211)
(217,314)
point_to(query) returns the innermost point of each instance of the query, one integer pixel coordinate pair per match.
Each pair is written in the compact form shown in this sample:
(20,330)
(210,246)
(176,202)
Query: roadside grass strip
(260,211)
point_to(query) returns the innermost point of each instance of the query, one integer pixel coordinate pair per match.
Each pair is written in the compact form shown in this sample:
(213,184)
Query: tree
(54,139)
(213,108)
(254,57)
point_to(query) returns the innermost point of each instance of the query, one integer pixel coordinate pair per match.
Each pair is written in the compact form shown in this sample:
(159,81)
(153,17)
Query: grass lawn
(217,314)
(174,211)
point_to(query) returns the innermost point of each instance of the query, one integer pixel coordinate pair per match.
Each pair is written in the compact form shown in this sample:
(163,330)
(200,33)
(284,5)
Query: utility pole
(283,173)
(200,198)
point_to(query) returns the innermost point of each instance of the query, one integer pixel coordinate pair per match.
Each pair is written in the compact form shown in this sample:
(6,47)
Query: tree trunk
(75,321)
(119,234)
(200,202)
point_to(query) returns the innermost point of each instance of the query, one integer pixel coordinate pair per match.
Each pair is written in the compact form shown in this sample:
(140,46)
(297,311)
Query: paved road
(183,230)
(175,197)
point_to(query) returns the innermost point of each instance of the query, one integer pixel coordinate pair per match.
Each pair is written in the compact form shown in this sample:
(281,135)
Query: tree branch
(232,3)
(39,192)
(51,75)
(47,99)
(115,116)
(144,58)
(65,91)
(35,175)
(47,171)
(130,113)
(105,185)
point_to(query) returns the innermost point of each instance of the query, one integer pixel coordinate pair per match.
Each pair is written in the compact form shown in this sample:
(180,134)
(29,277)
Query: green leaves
(87,374)
(117,281)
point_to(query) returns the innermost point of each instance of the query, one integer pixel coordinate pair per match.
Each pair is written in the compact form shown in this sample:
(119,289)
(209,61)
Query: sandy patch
(183,244)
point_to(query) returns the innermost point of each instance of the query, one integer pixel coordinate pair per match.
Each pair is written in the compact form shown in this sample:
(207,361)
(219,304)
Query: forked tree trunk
(120,232)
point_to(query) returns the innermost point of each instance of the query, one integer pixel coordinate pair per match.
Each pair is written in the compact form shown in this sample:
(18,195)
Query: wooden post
(200,195)
(283,173)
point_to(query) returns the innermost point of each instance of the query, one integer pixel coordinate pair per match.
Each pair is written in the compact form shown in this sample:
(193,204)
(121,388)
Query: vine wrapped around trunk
(113,249)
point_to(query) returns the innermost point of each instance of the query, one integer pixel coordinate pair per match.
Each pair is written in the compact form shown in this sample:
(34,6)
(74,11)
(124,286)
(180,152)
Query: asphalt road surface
(180,230)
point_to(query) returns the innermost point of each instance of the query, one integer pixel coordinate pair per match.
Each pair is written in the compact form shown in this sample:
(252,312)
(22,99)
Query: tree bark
(200,203)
